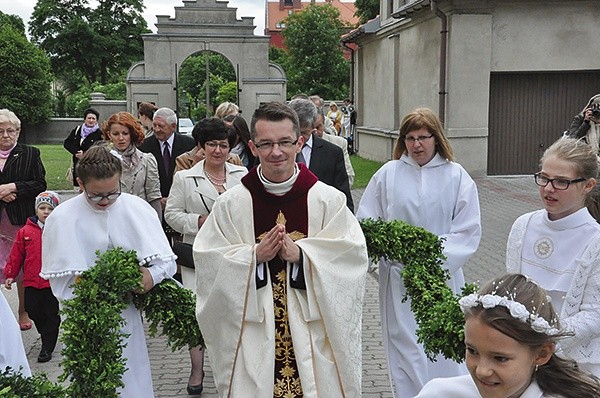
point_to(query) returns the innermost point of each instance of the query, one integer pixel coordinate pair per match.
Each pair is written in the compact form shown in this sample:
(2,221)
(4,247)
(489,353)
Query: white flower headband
(516,310)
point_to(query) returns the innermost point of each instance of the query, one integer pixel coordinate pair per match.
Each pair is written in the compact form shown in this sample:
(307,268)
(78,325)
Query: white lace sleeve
(514,244)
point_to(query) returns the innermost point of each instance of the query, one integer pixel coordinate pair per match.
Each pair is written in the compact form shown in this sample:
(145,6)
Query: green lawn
(56,160)
(364,170)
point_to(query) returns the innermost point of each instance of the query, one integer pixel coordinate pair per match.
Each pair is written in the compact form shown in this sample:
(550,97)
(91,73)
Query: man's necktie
(166,157)
(300,156)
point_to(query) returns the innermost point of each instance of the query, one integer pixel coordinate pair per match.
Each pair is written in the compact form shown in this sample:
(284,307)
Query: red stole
(266,210)
(293,204)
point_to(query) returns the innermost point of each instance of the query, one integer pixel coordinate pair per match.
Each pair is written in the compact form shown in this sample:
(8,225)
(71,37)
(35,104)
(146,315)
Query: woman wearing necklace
(190,201)
(140,170)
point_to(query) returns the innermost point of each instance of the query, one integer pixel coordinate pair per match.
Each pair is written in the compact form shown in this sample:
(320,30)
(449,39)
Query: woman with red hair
(140,170)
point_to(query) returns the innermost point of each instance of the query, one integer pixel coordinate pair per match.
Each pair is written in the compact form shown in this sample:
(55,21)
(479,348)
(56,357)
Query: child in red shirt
(26,253)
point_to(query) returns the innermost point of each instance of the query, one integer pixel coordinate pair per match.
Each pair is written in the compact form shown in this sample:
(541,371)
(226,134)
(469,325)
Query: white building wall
(399,65)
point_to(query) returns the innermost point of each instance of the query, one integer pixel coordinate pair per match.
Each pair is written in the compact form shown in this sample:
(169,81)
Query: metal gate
(529,111)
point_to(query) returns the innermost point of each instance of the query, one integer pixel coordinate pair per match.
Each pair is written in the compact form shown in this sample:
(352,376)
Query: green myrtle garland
(93,343)
(437,313)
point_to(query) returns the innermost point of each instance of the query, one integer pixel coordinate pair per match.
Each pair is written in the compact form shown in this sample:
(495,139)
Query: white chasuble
(237,319)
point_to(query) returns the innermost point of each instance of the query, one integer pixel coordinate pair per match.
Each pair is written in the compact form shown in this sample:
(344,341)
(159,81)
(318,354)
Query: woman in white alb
(425,188)
(559,246)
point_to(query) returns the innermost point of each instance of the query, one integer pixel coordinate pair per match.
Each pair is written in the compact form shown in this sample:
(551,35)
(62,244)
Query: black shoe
(44,356)
(194,390)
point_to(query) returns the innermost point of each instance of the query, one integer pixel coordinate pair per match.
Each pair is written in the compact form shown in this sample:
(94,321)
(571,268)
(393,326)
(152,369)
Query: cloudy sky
(245,8)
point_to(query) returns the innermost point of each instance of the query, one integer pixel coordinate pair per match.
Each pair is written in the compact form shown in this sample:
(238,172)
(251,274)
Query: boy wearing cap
(26,253)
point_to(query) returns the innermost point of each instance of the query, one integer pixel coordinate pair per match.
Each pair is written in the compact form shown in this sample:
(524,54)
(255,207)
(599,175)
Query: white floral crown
(516,310)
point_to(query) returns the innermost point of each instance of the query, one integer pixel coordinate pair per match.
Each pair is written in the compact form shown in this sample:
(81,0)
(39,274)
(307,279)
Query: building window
(288,3)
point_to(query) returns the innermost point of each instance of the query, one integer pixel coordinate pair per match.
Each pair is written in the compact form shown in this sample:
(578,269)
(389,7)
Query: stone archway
(204,25)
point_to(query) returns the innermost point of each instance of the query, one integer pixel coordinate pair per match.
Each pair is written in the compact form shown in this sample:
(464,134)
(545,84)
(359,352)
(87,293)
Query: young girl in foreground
(510,333)
(101,218)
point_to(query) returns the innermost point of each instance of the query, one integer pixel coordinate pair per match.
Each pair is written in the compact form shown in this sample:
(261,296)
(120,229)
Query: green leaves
(315,62)
(92,356)
(192,80)
(436,309)
(173,308)
(97,43)
(366,9)
(14,385)
(26,76)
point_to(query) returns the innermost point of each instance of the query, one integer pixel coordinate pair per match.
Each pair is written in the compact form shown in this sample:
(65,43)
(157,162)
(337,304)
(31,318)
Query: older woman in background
(140,170)
(22,178)
(335,116)
(226,109)
(190,201)
(82,138)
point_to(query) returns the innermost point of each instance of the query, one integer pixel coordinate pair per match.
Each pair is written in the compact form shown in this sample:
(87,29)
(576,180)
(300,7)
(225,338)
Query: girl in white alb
(106,218)
(511,332)
(559,247)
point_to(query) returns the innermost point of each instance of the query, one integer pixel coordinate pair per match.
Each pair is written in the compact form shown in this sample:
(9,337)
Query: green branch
(437,313)
(93,353)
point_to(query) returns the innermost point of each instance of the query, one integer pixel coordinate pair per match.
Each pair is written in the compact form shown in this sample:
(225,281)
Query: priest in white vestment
(424,188)
(280,269)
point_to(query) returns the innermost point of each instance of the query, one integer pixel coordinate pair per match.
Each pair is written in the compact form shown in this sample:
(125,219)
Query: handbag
(69,174)
(184,253)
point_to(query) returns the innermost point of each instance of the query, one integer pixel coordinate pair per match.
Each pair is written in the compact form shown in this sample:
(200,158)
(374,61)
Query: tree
(316,64)
(278,56)
(26,75)
(192,79)
(13,20)
(227,93)
(98,44)
(366,9)
(78,101)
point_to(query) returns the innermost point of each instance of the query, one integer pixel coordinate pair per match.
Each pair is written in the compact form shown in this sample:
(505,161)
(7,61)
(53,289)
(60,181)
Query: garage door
(529,111)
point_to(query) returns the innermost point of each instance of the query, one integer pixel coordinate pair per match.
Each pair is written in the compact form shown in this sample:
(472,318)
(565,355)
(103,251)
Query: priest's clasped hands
(277,242)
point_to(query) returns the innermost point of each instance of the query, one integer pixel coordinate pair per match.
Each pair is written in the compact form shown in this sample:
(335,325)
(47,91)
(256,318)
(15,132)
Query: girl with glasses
(103,218)
(559,246)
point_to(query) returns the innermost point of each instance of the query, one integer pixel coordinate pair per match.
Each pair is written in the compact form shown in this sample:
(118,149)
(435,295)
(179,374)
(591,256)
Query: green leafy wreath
(437,313)
(93,343)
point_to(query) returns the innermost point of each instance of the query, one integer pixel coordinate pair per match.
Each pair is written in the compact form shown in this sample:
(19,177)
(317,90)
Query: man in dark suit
(166,145)
(323,158)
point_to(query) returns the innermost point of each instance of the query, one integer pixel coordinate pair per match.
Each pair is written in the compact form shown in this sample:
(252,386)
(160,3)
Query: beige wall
(553,35)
